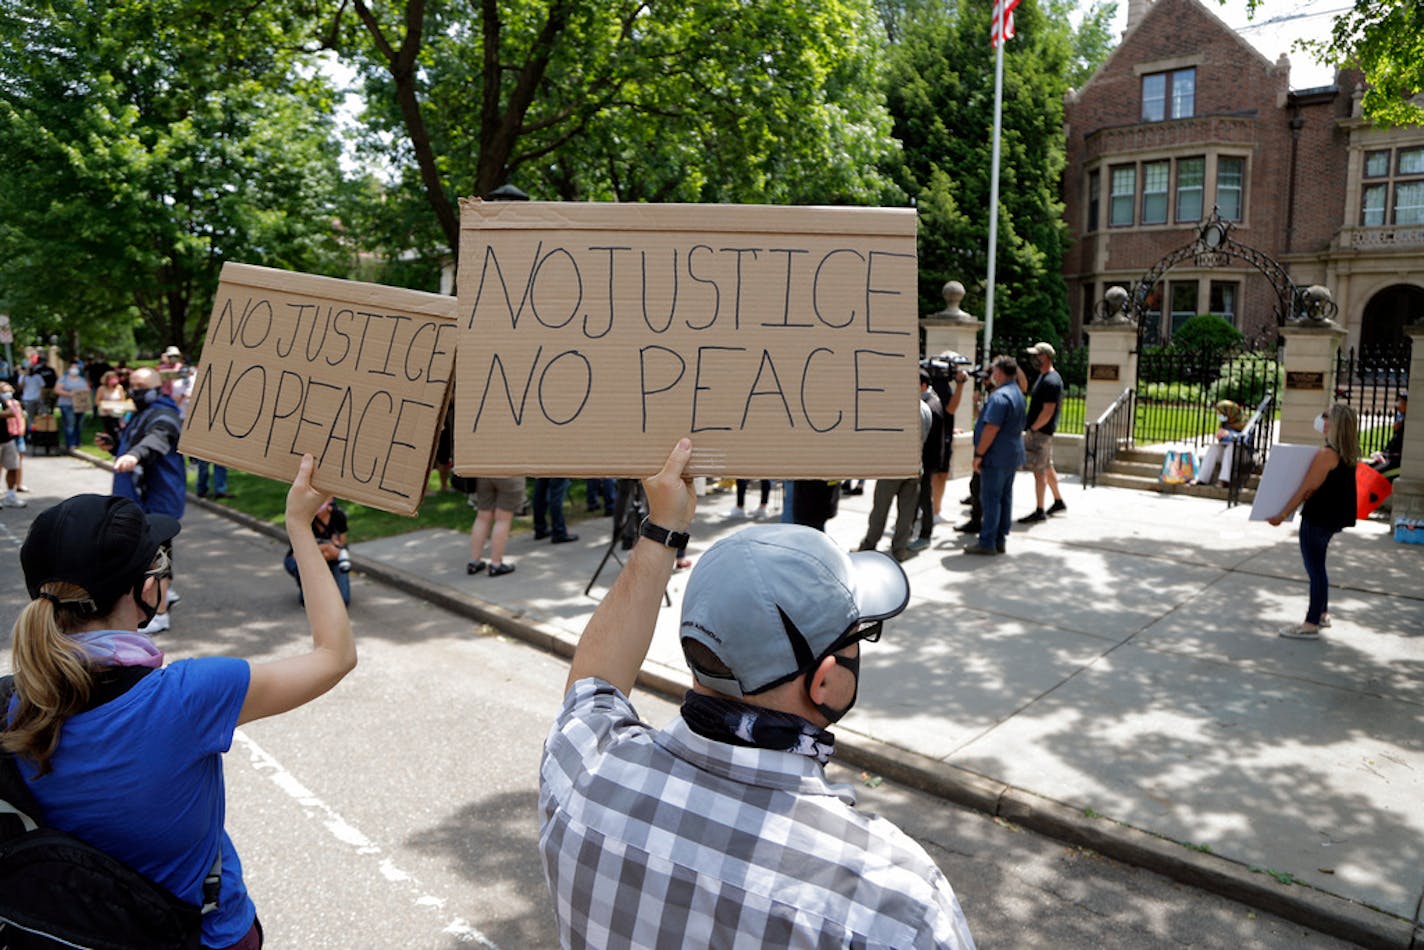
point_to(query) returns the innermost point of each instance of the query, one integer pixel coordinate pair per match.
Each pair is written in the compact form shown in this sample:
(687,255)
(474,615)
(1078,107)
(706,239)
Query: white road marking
(348,834)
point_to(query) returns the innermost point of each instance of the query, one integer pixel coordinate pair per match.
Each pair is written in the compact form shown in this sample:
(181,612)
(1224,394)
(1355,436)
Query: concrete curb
(1320,910)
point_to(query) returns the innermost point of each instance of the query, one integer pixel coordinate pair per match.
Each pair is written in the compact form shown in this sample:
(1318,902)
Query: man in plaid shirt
(722,829)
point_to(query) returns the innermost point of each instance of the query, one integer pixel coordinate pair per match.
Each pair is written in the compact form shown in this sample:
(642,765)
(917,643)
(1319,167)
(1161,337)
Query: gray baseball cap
(771,600)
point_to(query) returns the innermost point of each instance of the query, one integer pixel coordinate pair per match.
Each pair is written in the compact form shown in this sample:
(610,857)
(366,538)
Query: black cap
(98,542)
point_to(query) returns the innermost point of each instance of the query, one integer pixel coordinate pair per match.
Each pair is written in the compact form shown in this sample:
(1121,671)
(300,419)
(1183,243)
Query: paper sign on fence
(356,374)
(783,340)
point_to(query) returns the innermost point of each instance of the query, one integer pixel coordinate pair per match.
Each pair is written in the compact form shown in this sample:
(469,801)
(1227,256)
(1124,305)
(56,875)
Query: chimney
(1136,10)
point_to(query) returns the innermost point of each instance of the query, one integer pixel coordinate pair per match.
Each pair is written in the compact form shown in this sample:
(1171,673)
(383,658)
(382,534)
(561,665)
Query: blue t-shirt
(141,779)
(1005,409)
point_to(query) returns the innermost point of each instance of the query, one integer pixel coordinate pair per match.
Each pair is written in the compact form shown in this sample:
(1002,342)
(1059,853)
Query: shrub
(1245,380)
(1206,331)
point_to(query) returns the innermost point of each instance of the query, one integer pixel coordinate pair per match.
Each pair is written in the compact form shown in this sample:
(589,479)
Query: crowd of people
(773,621)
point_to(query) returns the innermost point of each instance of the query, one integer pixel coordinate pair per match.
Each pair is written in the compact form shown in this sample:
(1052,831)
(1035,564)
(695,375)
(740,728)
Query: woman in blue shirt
(98,717)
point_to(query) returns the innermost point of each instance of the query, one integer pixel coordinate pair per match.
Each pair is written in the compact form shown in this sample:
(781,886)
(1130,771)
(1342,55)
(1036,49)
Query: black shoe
(474,567)
(222,494)
(592,509)
(1034,518)
(1057,508)
(540,535)
(967,500)
(563,538)
(969,527)
(1001,549)
(203,493)
(499,570)
(977,549)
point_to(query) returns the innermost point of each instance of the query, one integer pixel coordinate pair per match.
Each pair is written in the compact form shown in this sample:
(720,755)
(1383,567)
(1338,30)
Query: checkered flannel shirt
(668,839)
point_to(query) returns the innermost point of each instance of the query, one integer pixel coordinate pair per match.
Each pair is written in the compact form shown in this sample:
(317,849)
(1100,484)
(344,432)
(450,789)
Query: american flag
(1003,21)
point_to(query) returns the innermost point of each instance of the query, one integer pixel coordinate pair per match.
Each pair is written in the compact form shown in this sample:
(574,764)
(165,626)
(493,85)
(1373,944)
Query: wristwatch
(656,532)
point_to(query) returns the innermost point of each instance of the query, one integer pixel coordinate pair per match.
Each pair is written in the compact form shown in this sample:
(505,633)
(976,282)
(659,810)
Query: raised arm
(618,634)
(286,684)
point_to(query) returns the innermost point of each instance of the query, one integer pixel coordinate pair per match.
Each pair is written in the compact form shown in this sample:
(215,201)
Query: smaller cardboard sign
(1300,379)
(1106,372)
(356,374)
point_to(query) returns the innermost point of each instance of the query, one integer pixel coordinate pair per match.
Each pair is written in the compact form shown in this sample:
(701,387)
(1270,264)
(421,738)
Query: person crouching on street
(328,526)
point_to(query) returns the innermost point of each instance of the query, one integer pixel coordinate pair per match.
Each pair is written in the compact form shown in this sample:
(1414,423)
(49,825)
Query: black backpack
(57,891)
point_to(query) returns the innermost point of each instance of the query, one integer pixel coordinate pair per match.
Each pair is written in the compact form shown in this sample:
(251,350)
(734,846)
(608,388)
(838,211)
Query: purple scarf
(119,648)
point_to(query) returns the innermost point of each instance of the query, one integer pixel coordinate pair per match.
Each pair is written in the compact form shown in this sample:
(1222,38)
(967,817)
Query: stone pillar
(1309,367)
(1112,365)
(1408,499)
(957,330)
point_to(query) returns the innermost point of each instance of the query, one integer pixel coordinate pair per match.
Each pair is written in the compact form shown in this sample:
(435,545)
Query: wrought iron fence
(1368,380)
(1177,390)
(1109,434)
(1252,447)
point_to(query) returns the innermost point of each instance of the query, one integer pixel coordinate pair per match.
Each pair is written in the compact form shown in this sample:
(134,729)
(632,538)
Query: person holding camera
(328,526)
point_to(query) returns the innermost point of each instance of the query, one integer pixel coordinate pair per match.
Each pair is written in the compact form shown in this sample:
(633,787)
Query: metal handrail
(1103,438)
(1250,451)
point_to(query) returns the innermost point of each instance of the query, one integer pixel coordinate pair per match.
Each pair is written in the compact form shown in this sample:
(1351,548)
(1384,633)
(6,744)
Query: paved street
(399,810)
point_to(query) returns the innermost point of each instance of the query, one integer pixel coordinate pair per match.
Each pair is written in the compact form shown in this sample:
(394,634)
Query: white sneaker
(173,597)
(738,513)
(940,519)
(760,513)
(12,500)
(158,624)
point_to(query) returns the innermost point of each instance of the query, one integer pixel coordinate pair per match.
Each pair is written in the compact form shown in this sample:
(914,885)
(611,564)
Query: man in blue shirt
(998,454)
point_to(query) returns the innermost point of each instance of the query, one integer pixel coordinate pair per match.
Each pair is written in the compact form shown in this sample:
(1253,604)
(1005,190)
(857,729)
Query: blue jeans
(549,506)
(219,478)
(600,490)
(73,423)
(996,495)
(1313,541)
(343,579)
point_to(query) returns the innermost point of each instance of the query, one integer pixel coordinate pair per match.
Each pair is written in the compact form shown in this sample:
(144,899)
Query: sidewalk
(1115,681)
(1116,673)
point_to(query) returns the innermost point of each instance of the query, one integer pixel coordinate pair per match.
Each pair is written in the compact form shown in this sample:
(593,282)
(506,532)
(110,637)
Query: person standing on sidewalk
(906,494)
(549,510)
(1326,498)
(934,456)
(721,829)
(496,500)
(125,752)
(148,468)
(12,429)
(998,454)
(1044,404)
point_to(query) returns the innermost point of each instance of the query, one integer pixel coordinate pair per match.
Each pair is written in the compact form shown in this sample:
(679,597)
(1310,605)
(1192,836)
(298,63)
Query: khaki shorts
(499,494)
(9,456)
(1038,451)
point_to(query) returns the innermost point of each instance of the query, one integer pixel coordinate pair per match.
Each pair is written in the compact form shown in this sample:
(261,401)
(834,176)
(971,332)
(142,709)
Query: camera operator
(328,525)
(948,372)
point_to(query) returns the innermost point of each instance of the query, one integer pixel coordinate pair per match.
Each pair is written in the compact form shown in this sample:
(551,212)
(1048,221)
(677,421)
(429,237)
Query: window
(1191,176)
(1409,202)
(1223,299)
(1372,208)
(1230,176)
(1169,95)
(1124,186)
(1155,178)
(1396,199)
(1095,195)
(1184,302)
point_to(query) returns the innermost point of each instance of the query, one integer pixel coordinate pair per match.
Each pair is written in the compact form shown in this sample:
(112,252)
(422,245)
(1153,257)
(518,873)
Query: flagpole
(994,192)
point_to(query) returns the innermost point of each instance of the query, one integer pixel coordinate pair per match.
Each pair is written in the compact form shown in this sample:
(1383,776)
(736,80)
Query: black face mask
(832,714)
(148,610)
(143,398)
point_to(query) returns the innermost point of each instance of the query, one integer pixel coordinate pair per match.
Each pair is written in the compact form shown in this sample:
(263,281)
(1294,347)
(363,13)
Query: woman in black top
(1328,495)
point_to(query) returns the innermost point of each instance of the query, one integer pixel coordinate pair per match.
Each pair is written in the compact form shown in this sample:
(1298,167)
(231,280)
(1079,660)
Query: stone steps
(1141,469)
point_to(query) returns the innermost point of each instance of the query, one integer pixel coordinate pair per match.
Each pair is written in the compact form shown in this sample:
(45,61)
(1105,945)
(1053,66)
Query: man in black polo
(1044,404)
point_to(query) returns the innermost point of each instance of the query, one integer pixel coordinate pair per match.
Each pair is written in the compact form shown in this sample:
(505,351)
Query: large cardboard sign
(782,340)
(356,374)
(1286,468)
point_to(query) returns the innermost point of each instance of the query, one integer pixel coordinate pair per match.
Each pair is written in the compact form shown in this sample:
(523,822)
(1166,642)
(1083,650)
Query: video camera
(950,364)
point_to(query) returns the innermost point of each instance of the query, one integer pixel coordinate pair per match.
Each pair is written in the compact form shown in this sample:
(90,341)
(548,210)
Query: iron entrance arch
(1213,246)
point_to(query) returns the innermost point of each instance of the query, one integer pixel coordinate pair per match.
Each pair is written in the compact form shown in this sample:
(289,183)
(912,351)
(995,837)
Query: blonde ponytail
(52,674)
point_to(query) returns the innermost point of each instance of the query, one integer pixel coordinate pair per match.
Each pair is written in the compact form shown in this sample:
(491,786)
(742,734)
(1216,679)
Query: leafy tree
(1384,39)
(143,143)
(663,100)
(941,93)
(1206,331)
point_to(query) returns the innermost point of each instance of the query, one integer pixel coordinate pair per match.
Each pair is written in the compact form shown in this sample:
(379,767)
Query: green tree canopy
(143,143)
(941,93)
(671,100)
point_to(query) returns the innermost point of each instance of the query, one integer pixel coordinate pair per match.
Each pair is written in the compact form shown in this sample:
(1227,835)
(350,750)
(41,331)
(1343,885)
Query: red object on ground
(1371,489)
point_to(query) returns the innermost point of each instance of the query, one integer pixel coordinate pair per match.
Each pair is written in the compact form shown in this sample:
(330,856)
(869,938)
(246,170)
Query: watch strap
(656,532)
